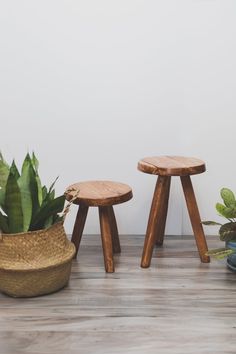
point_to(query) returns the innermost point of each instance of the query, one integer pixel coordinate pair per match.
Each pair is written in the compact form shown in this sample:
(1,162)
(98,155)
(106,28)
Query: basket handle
(68,205)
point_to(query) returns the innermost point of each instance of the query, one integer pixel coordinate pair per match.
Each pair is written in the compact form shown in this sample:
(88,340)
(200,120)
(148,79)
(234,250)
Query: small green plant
(227,231)
(25,204)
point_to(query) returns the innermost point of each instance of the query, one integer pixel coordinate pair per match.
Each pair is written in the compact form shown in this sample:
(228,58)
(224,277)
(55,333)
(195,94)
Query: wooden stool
(165,167)
(101,194)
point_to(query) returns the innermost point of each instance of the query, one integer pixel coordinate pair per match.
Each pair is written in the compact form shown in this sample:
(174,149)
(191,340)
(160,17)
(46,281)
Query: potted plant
(35,255)
(227,231)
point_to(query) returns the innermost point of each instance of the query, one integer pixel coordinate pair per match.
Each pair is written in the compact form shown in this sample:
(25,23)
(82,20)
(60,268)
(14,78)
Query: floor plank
(178,305)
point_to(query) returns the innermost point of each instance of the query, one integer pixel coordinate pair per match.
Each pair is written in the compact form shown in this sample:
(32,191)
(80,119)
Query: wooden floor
(177,306)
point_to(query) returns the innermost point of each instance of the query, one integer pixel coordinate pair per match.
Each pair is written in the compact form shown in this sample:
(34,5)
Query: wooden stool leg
(195,218)
(155,215)
(162,220)
(114,231)
(79,227)
(106,235)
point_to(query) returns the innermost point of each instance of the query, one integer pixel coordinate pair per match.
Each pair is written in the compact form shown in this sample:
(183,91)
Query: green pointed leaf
(34,191)
(39,186)
(220,253)
(44,192)
(4,173)
(210,223)
(226,211)
(228,197)
(24,183)
(4,223)
(14,170)
(13,205)
(26,161)
(48,222)
(47,196)
(35,162)
(35,165)
(228,232)
(50,209)
(52,195)
(52,185)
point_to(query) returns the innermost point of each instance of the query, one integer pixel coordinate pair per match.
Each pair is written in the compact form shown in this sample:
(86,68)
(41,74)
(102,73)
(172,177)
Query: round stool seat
(171,165)
(99,193)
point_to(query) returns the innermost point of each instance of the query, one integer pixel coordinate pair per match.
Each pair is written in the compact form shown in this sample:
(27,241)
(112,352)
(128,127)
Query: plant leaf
(228,232)
(39,186)
(47,196)
(35,165)
(210,223)
(220,253)
(52,195)
(48,222)
(4,173)
(228,197)
(34,191)
(52,185)
(35,162)
(44,192)
(24,183)
(4,223)
(14,170)
(50,209)
(226,211)
(13,205)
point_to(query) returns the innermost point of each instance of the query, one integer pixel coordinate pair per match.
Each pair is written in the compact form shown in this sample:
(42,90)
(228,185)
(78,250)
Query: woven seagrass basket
(35,263)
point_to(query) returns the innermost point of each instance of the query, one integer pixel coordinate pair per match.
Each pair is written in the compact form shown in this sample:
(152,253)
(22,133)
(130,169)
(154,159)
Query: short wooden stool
(166,167)
(101,194)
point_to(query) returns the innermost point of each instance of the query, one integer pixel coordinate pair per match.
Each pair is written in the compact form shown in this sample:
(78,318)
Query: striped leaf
(44,192)
(35,165)
(228,232)
(4,173)
(35,162)
(50,209)
(4,223)
(48,222)
(34,191)
(220,253)
(24,183)
(211,223)
(14,170)
(13,205)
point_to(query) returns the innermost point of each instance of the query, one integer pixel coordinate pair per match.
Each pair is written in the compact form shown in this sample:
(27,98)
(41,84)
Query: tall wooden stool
(101,194)
(166,167)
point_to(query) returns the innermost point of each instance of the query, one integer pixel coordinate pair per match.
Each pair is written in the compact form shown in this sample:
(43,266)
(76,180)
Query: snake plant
(26,205)
(227,231)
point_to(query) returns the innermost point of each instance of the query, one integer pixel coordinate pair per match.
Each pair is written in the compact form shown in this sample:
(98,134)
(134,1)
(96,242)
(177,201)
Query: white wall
(92,86)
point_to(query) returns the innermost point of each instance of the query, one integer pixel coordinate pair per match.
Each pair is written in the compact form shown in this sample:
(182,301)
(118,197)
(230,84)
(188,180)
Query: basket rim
(24,233)
(16,270)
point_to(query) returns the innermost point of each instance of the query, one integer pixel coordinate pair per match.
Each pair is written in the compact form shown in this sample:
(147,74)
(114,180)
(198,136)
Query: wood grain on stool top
(171,165)
(100,193)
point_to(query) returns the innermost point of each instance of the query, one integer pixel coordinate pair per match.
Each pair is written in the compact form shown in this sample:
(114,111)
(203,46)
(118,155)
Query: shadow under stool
(165,167)
(101,194)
